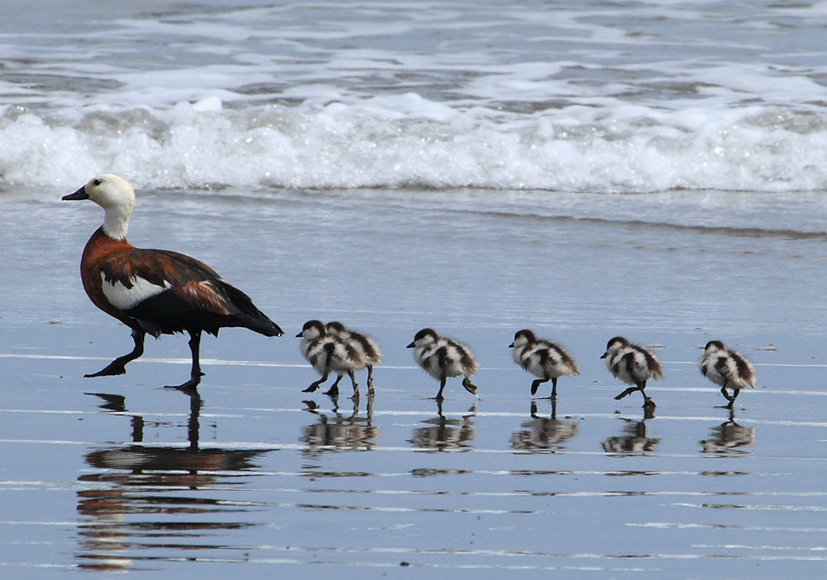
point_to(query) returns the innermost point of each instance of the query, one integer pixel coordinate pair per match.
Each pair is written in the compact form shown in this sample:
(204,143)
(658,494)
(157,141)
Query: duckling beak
(412,345)
(605,354)
(299,335)
(79,194)
(511,345)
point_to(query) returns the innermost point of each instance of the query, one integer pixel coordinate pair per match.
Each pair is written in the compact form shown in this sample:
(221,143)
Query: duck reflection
(443,434)
(728,438)
(340,432)
(542,434)
(631,441)
(133,500)
(110,402)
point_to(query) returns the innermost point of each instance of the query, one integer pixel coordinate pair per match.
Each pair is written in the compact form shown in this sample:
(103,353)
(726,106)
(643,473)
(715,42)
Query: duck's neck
(116,222)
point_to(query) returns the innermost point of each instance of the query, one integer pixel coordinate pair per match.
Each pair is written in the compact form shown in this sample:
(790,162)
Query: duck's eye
(97,182)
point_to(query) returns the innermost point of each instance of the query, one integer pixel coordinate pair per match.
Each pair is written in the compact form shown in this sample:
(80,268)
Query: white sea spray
(597,97)
(408,141)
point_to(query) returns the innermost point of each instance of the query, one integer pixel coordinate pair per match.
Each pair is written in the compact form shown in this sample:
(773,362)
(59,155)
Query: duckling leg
(355,385)
(735,393)
(334,390)
(118,366)
(441,388)
(370,378)
(626,393)
(315,385)
(195,374)
(469,386)
(328,353)
(536,385)
(731,400)
(647,402)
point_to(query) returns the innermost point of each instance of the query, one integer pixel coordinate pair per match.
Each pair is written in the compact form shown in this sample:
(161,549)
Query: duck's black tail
(249,316)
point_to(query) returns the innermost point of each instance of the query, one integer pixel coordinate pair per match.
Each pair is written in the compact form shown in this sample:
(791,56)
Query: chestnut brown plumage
(155,291)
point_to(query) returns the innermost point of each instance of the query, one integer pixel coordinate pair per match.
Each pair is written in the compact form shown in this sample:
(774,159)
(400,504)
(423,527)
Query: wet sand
(120,474)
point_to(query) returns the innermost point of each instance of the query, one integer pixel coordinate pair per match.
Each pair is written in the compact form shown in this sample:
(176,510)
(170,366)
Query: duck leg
(118,366)
(195,373)
(370,378)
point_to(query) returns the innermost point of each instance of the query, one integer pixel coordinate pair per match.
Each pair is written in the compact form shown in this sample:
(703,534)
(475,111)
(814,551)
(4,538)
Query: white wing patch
(124,298)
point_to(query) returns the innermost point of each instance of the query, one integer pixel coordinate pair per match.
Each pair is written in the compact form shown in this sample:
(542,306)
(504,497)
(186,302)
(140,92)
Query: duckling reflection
(135,496)
(443,434)
(542,434)
(339,432)
(728,437)
(632,441)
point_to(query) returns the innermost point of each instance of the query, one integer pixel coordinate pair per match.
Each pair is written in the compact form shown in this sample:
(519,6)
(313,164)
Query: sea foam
(408,141)
(593,97)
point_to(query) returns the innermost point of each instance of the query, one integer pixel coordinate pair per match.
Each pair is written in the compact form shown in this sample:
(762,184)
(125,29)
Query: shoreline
(251,463)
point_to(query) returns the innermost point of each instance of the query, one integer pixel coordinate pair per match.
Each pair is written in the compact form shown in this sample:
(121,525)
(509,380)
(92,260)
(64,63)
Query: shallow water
(647,169)
(119,474)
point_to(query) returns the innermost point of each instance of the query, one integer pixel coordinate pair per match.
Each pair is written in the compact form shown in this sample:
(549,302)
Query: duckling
(634,365)
(364,344)
(327,353)
(727,368)
(444,357)
(543,359)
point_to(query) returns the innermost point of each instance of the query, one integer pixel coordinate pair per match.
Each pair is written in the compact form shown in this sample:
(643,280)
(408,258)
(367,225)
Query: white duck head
(116,196)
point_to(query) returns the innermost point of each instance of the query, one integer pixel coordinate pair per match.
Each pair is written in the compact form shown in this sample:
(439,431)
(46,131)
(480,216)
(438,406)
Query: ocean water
(650,169)
(594,97)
